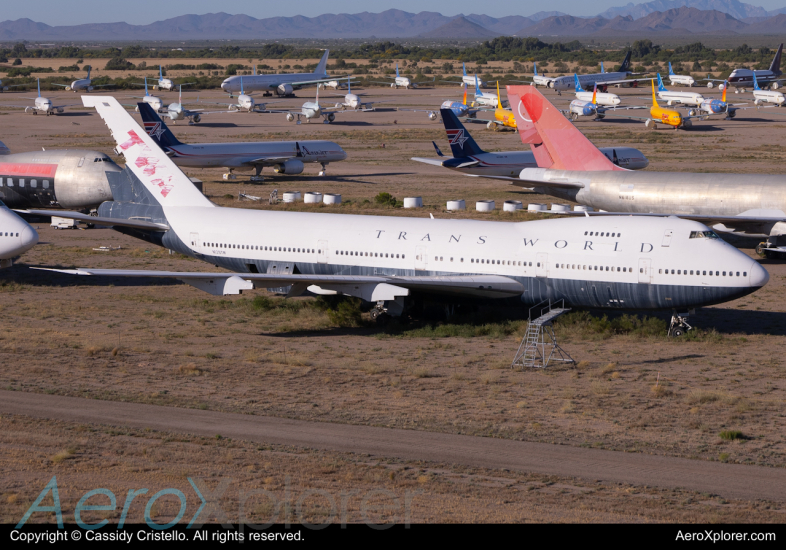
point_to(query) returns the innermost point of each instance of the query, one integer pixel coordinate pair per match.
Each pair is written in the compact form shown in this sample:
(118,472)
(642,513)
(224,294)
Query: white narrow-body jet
(680,79)
(154,101)
(43,105)
(164,83)
(312,109)
(178,111)
(605,99)
(487,99)
(400,81)
(246,102)
(356,101)
(85,84)
(693,99)
(766,96)
(285,157)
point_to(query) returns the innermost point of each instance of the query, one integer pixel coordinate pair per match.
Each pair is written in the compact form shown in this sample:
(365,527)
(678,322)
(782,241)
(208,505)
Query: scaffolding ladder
(539,346)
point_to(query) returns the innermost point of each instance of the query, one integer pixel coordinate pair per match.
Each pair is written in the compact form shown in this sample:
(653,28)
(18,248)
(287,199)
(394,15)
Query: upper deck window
(703,235)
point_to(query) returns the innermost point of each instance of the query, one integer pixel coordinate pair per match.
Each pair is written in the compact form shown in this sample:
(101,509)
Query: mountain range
(651,18)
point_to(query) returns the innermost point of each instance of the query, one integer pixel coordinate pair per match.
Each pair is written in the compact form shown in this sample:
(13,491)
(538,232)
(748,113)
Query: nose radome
(28,238)
(758,275)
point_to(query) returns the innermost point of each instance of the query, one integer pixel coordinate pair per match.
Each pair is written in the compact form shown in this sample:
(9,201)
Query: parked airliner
(742,78)
(605,99)
(42,105)
(693,99)
(766,96)
(608,262)
(682,80)
(469,159)
(571,167)
(85,84)
(603,80)
(281,84)
(285,157)
(16,236)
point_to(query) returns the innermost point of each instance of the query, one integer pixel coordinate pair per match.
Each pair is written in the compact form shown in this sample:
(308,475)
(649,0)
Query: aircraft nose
(28,238)
(342,153)
(758,275)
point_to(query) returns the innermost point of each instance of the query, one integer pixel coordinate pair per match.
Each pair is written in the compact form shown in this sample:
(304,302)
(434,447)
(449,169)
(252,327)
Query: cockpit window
(703,235)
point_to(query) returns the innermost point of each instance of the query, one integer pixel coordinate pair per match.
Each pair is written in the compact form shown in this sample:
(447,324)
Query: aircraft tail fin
(464,101)
(625,67)
(725,87)
(461,143)
(595,95)
(4,150)
(322,65)
(477,87)
(578,84)
(671,71)
(555,141)
(156,128)
(755,82)
(602,68)
(155,170)
(436,148)
(654,99)
(397,70)
(464,66)
(160,73)
(39,86)
(775,66)
(255,70)
(661,87)
(535,68)
(89,68)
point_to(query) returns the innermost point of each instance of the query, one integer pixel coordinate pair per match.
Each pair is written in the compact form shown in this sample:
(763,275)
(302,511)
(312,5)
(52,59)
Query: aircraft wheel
(760,249)
(575,117)
(677,332)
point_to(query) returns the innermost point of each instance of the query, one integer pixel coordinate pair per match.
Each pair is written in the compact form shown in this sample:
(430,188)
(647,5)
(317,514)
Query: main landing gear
(323,172)
(679,324)
(257,177)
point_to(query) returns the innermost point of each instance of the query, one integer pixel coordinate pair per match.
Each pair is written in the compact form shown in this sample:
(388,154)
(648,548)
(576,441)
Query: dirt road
(727,480)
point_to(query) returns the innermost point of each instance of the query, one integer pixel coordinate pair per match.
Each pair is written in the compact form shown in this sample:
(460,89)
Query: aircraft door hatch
(645,270)
(541,267)
(421,258)
(667,237)
(195,241)
(322,251)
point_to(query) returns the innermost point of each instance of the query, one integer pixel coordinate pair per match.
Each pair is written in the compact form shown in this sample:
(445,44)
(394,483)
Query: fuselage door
(322,252)
(667,237)
(195,241)
(421,258)
(81,162)
(541,267)
(645,270)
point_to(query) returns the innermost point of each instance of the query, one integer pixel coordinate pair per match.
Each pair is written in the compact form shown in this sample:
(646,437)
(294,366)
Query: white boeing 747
(392,261)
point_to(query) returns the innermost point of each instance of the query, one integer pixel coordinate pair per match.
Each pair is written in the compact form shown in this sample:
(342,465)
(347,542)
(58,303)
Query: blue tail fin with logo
(661,87)
(578,84)
(461,143)
(156,128)
(671,71)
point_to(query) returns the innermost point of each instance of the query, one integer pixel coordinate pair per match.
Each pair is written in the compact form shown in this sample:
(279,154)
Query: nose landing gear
(679,324)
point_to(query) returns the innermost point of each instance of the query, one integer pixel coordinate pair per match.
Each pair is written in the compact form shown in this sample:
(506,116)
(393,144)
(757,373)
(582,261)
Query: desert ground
(632,391)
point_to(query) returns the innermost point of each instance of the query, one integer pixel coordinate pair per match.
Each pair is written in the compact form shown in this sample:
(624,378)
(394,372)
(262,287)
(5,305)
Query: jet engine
(291,166)
(757,102)
(687,124)
(196,118)
(29,109)
(290,117)
(89,88)
(393,85)
(284,89)
(775,86)
(60,110)
(432,115)
(710,85)
(339,105)
(721,87)
(331,117)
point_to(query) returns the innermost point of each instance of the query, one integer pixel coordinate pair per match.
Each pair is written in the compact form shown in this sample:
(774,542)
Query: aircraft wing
(136,224)
(64,106)
(371,287)
(63,85)
(435,162)
(746,219)
(624,81)
(531,184)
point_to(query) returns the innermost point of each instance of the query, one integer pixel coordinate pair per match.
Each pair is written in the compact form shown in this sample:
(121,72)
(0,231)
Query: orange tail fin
(725,87)
(543,126)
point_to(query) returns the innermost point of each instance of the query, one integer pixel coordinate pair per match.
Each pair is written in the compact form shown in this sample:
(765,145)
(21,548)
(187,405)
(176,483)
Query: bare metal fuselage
(680,193)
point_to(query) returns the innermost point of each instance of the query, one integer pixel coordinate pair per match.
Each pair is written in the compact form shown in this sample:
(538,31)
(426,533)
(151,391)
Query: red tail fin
(538,120)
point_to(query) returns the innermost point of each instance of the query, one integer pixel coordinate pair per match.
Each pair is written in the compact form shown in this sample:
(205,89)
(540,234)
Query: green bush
(17,61)
(119,64)
(385,199)
(731,435)
(343,311)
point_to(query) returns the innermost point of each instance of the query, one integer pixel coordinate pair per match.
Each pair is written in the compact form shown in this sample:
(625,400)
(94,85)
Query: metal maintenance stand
(539,346)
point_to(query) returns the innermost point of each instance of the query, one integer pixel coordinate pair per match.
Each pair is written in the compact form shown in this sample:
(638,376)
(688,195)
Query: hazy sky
(57,12)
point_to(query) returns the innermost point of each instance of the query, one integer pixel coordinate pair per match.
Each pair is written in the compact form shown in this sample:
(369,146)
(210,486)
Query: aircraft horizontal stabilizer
(136,224)
(435,162)
(365,287)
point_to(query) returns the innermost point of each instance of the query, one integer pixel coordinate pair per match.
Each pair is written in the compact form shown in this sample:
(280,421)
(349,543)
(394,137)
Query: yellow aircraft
(670,117)
(502,117)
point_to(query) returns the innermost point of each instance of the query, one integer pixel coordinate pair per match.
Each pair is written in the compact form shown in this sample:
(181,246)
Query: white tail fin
(322,66)
(160,176)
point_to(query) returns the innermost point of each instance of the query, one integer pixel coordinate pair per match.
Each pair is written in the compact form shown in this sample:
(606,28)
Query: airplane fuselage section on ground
(238,155)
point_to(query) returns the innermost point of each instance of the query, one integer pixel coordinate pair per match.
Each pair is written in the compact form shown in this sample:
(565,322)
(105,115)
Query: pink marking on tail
(165,188)
(565,145)
(135,140)
(149,163)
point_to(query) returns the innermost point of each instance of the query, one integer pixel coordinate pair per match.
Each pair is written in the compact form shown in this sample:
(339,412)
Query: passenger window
(10,182)
(21,182)
(724,273)
(744,273)
(738,274)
